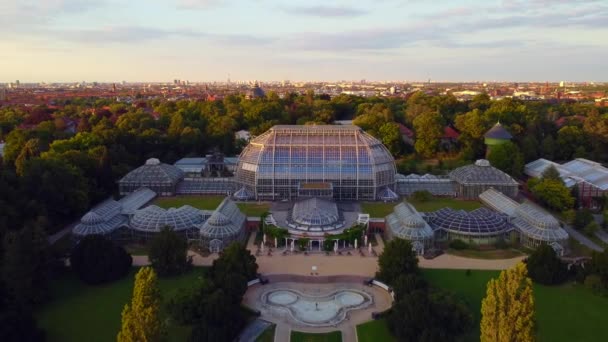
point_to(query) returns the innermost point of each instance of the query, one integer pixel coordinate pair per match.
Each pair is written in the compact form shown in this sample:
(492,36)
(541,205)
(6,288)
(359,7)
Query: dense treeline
(113,138)
(59,160)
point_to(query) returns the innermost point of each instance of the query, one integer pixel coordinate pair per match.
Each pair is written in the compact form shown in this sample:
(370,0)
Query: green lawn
(79,312)
(210,203)
(200,202)
(334,336)
(379,209)
(486,254)
(267,335)
(374,331)
(564,313)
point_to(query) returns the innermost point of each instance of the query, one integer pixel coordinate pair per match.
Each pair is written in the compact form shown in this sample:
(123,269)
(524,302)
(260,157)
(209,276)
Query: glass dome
(537,224)
(478,222)
(104,219)
(153,218)
(275,163)
(481,173)
(315,212)
(406,222)
(226,223)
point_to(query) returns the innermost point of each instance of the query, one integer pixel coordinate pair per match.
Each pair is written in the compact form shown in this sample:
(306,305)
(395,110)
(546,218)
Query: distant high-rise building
(17,82)
(2,94)
(562,84)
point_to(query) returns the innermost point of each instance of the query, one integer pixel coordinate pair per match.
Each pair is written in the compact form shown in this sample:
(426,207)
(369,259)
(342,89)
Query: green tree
(234,269)
(30,150)
(398,258)
(530,148)
(62,188)
(141,319)
(552,174)
(26,266)
(391,137)
(506,157)
(569,139)
(429,129)
(552,193)
(168,253)
(97,260)
(507,311)
(545,267)
(548,148)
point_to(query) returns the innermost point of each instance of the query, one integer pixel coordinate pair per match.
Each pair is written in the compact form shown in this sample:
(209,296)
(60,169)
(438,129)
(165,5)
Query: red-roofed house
(407,135)
(568,119)
(449,139)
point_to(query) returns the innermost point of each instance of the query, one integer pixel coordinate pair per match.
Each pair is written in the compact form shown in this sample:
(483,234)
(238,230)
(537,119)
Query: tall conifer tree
(141,320)
(508,308)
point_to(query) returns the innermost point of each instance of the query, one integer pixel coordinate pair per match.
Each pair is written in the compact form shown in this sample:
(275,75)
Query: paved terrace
(367,265)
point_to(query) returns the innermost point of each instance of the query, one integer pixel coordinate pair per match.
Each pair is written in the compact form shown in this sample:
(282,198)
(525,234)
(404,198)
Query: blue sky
(398,40)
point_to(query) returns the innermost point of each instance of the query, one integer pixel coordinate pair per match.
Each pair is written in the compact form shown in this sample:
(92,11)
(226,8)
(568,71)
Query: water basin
(322,310)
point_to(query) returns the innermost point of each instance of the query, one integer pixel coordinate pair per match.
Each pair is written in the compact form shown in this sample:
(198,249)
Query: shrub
(501,244)
(594,283)
(422,196)
(458,244)
(569,216)
(97,260)
(591,228)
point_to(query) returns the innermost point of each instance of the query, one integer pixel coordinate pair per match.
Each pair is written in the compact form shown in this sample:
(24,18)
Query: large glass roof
(153,218)
(528,218)
(102,219)
(479,222)
(154,172)
(315,212)
(226,221)
(406,222)
(324,151)
(481,173)
(136,200)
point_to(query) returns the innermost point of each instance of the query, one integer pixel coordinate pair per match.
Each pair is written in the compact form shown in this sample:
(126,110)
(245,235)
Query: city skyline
(206,40)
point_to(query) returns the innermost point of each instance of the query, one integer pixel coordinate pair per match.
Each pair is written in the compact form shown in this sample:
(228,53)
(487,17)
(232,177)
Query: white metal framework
(407,223)
(226,224)
(472,180)
(357,165)
(162,178)
(535,225)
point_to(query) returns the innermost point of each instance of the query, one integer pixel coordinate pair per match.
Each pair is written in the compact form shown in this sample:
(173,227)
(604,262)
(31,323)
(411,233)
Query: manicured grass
(334,336)
(439,202)
(267,335)
(200,202)
(563,313)
(379,209)
(374,331)
(210,203)
(254,209)
(79,312)
(489,254)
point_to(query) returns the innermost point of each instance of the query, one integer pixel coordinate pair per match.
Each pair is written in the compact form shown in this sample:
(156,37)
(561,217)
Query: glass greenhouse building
(276,164)
(481,226)
(536,226)
(472,180)
(159,177)
(406,222)
(226,224)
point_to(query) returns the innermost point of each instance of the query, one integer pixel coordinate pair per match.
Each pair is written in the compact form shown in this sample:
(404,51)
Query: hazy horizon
(388,40)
